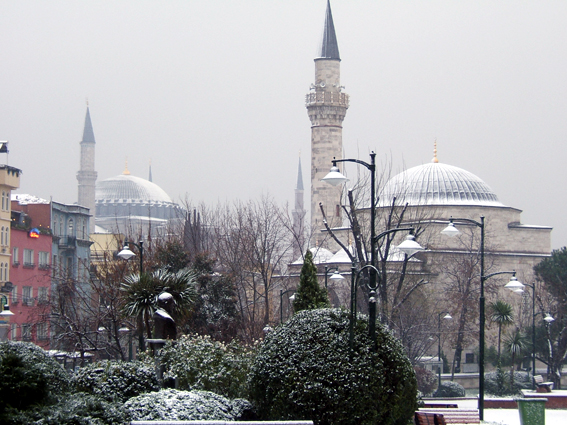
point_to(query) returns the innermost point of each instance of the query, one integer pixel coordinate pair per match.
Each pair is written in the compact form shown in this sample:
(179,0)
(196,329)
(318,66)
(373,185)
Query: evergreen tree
(309,294)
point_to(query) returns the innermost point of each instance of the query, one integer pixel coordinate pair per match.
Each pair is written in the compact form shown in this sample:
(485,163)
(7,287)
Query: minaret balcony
(328,98)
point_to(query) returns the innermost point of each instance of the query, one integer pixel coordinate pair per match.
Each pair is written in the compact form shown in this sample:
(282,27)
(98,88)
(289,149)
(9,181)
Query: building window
(27,295)
(4,201)
(43,260)
(15,298)
(469,358)
(41,329)
(28,257)
(70,227)
(2,240)
(26,332)
(4,272)
(13,331)
(42,295)
(16,256)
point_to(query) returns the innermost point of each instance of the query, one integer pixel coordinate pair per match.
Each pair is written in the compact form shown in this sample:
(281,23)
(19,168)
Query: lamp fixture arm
(371,166)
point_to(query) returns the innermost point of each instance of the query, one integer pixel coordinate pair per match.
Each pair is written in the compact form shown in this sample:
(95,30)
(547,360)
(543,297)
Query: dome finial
(435,160)
(126,172)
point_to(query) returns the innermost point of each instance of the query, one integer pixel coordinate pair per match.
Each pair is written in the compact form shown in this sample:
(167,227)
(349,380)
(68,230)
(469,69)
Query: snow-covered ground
(512,416)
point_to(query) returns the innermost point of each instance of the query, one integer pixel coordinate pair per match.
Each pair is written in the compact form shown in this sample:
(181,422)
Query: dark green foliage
(28,375)
(173,256)
(75,409)
(449,389)
(214,311)
(426,380)
(201,363)
(553,271)
(498,383)
(303,370)
(116,380)
(309,294)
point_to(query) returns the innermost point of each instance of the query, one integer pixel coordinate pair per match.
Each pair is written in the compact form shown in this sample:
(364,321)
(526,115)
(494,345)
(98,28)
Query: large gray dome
(127,187)
(438,184)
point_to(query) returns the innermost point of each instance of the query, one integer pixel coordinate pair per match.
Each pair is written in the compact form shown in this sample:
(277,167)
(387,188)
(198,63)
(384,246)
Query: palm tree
(142,292)
(515,344)
(501,314)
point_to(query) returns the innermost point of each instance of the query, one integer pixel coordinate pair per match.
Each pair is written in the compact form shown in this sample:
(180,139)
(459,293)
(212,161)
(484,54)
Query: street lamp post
(518,287)
(451,231)
(550,369)
(126,254)
(335,276)
(335,178)
(446,317)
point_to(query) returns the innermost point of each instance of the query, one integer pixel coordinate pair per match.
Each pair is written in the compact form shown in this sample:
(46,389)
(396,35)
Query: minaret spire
(298,215)
(326,106)
(87,175)
(329,45)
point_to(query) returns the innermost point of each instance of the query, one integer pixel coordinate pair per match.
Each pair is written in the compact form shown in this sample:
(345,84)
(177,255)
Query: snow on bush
(116,380)
(28,375)
(303,370)
(201,363)
(72,409)
(502,385)
(449,389)
(172,404)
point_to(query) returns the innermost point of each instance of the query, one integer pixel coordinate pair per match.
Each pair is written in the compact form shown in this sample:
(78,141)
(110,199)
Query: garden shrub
(28,375)
(170,405)
(200,363)
(303,370)
(449,389)
(426,380)
(499,383)
(116,380)
(75,409)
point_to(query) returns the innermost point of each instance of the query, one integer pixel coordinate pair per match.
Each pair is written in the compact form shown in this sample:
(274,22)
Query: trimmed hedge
(449,389)
(303,370)
(116,380)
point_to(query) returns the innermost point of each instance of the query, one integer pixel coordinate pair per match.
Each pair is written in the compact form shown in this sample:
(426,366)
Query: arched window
(70,227)
(2,232)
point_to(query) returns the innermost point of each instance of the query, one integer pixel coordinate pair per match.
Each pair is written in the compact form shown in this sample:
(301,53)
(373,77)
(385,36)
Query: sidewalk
(512,416)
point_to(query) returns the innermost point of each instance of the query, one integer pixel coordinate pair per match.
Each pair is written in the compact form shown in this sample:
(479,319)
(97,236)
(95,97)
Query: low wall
(221,423)
(470,380)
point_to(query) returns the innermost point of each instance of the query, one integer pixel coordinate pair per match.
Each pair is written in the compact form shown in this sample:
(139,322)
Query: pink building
(30,272)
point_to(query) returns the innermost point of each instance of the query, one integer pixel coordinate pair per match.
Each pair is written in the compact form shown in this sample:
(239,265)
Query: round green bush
(426,380)
(304,370)
(449,389)
(116,380)
(201,363)
(28,375)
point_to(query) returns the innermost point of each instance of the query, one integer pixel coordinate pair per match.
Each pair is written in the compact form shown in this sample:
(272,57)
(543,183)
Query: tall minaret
(326,106)
(87,174)
(298,214)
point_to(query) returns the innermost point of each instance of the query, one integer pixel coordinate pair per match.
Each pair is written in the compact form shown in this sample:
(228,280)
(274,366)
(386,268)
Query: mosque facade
(425,197)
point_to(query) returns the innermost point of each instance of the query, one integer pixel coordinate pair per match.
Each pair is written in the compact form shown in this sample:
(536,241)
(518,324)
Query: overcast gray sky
(213,92)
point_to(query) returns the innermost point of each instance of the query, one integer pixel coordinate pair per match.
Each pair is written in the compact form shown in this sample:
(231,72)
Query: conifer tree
(309,294)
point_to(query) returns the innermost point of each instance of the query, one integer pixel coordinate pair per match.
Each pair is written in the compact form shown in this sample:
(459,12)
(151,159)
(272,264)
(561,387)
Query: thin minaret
(87,174)
(326,106)
(298,215)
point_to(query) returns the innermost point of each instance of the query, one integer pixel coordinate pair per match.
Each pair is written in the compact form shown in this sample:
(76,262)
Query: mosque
(124,204)
(426,197)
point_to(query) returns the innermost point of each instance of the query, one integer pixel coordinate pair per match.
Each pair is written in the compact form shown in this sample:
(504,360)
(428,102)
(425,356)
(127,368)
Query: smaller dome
(128,187)
(438,184)
(320,256)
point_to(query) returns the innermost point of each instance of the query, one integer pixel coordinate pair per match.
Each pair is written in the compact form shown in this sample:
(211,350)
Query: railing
(325,97)
(68,242)
(29,265)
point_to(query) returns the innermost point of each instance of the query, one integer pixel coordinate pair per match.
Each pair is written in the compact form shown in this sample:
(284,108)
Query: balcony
(68,242)
(29,265)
